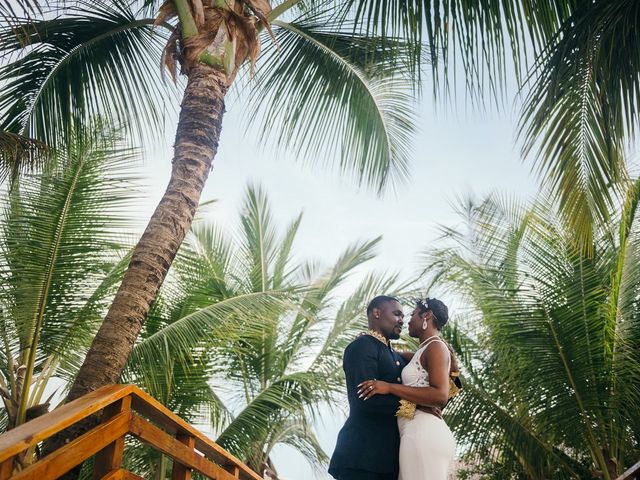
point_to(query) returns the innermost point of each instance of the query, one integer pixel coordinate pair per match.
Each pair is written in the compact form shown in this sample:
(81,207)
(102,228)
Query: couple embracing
(395,429)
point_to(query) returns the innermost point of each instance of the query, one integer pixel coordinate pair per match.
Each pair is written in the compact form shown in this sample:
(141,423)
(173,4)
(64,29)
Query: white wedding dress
(427,445)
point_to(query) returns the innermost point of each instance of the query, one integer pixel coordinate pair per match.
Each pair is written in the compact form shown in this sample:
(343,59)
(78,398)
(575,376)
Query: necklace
(430,338)
(377,336)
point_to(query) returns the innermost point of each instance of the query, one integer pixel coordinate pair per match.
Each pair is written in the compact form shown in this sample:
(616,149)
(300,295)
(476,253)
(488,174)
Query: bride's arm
(435,360)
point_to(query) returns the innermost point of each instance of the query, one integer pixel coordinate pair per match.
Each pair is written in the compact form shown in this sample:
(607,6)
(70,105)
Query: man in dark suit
(369,442)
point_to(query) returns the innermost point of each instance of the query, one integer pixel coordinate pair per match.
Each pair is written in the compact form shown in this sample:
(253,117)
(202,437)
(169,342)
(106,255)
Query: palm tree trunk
(196,144)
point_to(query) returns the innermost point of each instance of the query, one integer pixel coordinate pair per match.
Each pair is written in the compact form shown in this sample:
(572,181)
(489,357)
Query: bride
(427,445)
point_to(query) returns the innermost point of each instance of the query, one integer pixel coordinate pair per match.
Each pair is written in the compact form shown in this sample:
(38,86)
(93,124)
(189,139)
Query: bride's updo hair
(437,308)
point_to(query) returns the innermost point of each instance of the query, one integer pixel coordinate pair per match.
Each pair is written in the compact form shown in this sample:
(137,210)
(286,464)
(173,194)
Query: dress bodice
(414,375)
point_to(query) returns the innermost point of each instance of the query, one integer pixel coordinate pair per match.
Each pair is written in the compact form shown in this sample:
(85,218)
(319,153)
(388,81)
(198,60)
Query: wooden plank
(24,436)
(159,414)
(110,457)
(180,471)
(6,469)
(78,450)
(168,445)
(132,476)
(627,475)
(117,474)
(212,450)
(121,474)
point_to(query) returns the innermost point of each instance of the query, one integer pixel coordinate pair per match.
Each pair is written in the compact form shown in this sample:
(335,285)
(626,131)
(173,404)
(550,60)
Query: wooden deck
(126,410)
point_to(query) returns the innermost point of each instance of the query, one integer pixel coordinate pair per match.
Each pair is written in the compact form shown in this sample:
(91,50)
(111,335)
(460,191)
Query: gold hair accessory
(406,409)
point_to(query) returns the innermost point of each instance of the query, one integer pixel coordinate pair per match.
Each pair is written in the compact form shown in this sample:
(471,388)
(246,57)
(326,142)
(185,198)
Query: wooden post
(110,457)
(6,469)
(181,472)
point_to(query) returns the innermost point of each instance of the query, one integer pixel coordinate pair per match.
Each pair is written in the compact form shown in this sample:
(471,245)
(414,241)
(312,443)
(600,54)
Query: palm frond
(11,9)
(581,110)
(318,298)
(58,237)
(95,59)
(208,265)
(286,396)
(59,233)
(327,93)
(85,321)
(223,322)
(259,237)
(298,434)
(552,327)
(282,269)
(481,35)
(502,431)
(19,154)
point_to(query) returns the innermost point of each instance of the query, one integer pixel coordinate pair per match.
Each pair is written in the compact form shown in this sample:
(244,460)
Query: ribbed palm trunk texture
(196,145)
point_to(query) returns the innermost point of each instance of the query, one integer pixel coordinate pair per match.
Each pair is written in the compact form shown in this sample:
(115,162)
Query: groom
(369,442)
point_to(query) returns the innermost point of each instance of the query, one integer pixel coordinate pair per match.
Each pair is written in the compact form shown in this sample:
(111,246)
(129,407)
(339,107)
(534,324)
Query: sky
(456,153)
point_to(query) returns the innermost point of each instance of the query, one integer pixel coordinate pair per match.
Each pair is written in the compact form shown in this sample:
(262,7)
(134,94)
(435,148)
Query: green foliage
(91,60)
(333,95)
(582,110)
(342,100)
(245,337)
(552,367)
(59,248)
(578,67)
(249,339)
(479,35)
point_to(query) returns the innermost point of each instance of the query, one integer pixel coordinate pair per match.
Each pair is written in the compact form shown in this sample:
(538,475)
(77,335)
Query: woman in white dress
(427,445)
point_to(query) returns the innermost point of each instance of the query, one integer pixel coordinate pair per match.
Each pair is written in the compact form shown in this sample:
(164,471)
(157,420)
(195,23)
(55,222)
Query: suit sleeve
(360,364)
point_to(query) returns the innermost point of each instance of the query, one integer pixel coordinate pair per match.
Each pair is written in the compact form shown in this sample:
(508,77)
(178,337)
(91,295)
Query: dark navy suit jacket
(369,439)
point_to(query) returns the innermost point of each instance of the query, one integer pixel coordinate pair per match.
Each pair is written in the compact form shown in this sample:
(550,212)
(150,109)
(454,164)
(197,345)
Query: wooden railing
(631,473)
(127,410)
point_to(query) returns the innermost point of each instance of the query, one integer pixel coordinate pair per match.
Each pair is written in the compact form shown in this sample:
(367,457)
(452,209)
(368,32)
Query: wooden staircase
(126,410)
(631,473)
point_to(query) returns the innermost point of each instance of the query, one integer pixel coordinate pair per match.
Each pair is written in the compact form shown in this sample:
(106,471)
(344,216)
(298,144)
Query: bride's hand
(369,388)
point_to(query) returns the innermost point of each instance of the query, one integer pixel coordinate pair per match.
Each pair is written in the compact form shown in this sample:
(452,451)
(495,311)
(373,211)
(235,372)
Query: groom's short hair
(378,301)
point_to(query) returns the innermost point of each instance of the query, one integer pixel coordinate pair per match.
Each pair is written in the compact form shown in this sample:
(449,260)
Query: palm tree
(552,363)
(61,257)
(335,58)
(258,377)
(101,58)
(63,253)
(578,69)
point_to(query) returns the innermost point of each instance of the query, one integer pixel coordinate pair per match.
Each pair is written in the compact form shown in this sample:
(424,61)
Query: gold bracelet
(406,409)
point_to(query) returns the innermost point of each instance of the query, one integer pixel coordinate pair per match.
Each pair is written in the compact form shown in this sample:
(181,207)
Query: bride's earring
(424,324)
